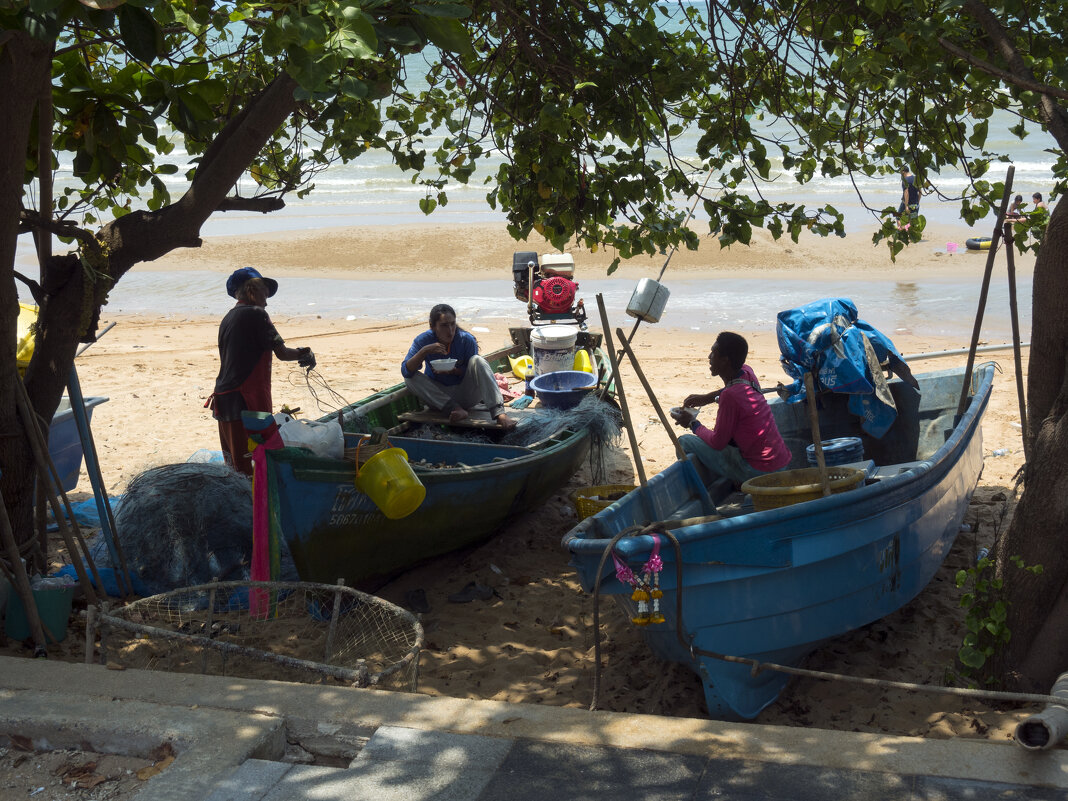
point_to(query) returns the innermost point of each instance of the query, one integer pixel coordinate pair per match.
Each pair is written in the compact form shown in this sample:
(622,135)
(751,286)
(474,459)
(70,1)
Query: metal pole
(967,384)
(938,354)
(92,467)
(619,390)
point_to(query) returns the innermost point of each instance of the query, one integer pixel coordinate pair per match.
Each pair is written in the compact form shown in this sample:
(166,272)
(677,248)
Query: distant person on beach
(458,389)
(745,441)
(1015,213)
(1039,202)
(247,340)
(910,193)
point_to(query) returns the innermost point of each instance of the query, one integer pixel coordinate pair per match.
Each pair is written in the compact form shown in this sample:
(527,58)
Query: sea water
(936,307)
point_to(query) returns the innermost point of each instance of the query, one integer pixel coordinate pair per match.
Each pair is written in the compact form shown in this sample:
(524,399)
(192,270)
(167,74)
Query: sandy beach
(533,642)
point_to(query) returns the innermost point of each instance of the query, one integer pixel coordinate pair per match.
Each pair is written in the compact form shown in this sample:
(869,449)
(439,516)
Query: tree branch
(35,288)
(1022,82)
(31,221)
(147,235)
(260,204)
(1054,114)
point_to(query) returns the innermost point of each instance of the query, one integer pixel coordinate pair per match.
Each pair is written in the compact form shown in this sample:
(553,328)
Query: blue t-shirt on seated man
(468,383)
(462,348)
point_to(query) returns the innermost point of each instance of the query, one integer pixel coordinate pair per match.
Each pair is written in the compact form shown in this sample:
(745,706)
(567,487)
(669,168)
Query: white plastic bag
(322,439)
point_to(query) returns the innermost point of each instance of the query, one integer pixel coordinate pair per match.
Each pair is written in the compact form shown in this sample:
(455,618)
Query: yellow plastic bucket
(388,480)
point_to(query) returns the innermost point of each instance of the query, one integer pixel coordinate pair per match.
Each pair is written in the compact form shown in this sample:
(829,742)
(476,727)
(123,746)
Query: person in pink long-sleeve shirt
(745,441)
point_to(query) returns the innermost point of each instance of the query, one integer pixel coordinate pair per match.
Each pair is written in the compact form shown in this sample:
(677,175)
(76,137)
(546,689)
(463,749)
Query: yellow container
(24,337)
(388,480)
(787,487)
(590,500)
(582,361)
(520,365)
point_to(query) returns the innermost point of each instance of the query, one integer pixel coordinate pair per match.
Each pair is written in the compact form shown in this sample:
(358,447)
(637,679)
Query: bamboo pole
(679,452)
(1016,355)
(45,479)
(967,384)
(22,581)
(817,441)
(638,466)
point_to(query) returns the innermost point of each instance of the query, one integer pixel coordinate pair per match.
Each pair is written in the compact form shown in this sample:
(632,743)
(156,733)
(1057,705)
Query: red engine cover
(555,295)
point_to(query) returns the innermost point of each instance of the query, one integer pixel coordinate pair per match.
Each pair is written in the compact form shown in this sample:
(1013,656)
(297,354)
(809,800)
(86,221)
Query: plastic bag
(322,439)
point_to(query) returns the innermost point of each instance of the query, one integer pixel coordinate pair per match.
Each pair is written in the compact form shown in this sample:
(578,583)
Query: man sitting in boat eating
(744,441)
(443,369)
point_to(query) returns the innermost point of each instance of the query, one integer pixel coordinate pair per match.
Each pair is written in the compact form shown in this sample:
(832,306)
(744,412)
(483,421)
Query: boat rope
(756,665)
(326,398)
(671,253)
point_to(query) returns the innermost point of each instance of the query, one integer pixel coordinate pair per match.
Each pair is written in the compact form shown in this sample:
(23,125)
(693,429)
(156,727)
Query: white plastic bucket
(553,348)
(648,301)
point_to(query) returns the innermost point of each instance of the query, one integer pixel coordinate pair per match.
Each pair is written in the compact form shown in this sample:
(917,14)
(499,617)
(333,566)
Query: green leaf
(140,33)
(448,34)
(450,10)
(971,657)
(352,87)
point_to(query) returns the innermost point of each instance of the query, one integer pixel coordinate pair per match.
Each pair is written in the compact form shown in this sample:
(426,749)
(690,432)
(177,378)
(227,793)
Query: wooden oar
(619,391)
(679,452)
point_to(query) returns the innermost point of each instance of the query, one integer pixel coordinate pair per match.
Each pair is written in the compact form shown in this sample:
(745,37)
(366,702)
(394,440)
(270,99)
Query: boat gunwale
(325,469)
(888,490)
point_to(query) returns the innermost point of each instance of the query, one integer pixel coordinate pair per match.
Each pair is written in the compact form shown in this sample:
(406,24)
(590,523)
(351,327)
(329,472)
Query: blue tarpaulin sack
(827,337)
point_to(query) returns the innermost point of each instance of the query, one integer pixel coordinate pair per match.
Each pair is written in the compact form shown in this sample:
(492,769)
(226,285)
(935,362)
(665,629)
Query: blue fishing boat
(335,531)
(773,585)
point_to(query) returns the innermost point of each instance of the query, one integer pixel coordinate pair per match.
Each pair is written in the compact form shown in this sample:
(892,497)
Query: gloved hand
(305,358)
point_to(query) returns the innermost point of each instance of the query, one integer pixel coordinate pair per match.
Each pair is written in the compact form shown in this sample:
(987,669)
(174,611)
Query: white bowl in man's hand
(442,365)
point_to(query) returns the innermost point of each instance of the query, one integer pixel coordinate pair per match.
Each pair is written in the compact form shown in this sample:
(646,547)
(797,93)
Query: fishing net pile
(187,524)
(603,420)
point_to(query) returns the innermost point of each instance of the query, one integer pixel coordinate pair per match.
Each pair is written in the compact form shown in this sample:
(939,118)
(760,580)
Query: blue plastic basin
(564,388)
(64,445)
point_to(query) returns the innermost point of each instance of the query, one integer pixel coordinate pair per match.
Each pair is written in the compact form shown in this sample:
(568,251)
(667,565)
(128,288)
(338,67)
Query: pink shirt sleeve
(719,436)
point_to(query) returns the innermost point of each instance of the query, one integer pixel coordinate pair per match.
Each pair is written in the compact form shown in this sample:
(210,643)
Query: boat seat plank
(891,470)
(476,419)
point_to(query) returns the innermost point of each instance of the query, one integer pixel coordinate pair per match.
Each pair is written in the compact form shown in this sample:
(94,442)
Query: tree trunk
(25,66)
(1038,605)
(75,286)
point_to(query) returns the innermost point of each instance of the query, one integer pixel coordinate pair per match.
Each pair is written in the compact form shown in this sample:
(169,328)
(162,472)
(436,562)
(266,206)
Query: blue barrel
(842,450)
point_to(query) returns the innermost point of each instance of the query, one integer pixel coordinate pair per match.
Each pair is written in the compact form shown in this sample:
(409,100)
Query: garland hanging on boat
(647,592)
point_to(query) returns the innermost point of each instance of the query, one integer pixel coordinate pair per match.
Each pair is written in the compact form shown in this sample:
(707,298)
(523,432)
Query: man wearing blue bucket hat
(247,341)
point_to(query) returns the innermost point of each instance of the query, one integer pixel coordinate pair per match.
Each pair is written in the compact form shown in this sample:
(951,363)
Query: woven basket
(586,505)
(365,450)
(787,487)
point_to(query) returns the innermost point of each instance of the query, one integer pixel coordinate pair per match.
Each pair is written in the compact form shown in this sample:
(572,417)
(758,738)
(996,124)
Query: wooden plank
(476,419)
